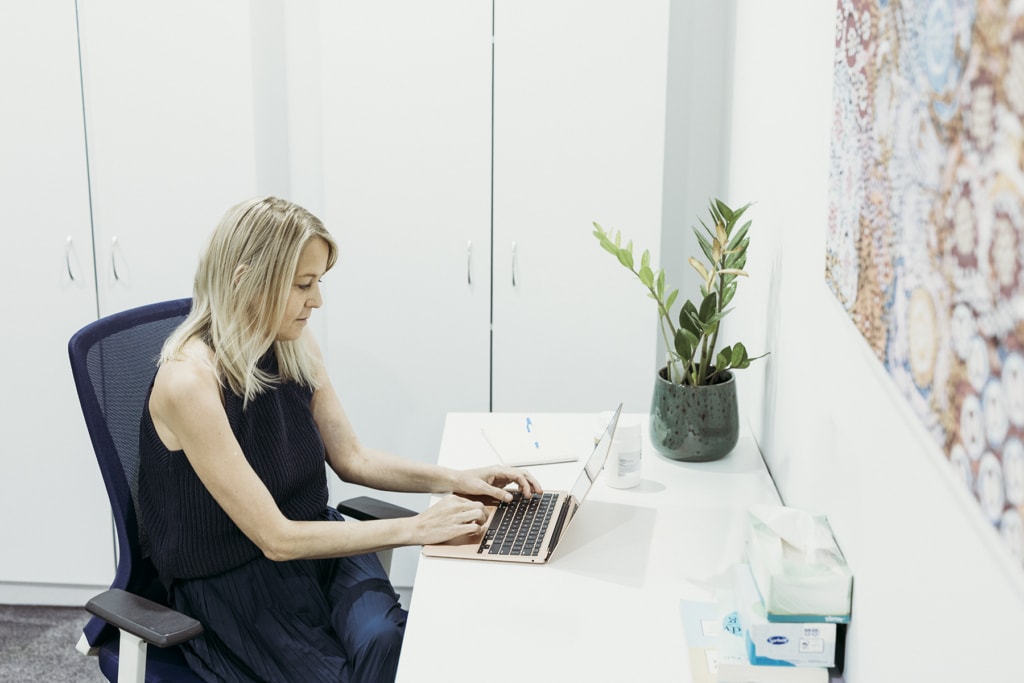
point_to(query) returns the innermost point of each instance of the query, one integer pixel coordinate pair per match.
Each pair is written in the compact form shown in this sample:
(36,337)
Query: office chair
(113,361)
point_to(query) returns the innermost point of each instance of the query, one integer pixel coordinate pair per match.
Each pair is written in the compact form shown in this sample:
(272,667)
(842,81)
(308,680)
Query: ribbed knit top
(189,534)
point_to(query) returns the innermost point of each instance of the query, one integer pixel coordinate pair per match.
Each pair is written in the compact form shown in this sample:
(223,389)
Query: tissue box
(785,643)
(798,568)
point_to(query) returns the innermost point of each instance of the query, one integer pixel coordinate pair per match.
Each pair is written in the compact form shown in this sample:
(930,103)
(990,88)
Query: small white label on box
(815,645)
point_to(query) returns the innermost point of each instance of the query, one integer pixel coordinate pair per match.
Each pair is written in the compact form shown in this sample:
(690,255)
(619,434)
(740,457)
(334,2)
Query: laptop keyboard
(518,526)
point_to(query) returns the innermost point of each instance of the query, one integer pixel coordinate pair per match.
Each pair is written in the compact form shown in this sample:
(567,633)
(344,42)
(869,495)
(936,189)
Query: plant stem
(669,344)
(664,318)
(718,325)
(702,366)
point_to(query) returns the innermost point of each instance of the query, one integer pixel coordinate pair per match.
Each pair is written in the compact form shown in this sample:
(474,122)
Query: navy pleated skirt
(304,620)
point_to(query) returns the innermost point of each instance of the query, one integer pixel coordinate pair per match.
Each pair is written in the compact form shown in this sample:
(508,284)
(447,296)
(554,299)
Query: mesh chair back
(113,361)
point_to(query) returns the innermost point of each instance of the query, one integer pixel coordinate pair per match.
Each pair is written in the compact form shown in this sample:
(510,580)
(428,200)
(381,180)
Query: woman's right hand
(448,518)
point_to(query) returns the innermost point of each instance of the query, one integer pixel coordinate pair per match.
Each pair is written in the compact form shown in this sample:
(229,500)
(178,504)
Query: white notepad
(522,441)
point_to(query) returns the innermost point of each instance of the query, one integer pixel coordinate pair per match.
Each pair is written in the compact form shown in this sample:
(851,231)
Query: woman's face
(304,294)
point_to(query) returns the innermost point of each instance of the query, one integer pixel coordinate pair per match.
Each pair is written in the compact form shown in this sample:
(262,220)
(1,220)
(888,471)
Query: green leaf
(645,260)
(739,354)
(708,308)
(705,246)
(737,213)
(671,299)
(740,249)
(685,343)
(734,240)
(688,318)
(723,359)
(626,255)
(724,210)
(713,320)
(646,275)
(728,292)
(716,216)
(732,260)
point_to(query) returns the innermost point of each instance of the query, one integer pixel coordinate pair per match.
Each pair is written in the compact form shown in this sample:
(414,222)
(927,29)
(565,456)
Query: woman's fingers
(450,517)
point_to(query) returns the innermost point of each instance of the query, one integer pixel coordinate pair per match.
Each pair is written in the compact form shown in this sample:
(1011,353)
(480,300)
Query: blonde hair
(241,290)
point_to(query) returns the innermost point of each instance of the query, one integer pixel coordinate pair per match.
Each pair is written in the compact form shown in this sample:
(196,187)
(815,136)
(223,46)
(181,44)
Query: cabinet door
(579,120)
(169,109)
(56,527)
(406,101)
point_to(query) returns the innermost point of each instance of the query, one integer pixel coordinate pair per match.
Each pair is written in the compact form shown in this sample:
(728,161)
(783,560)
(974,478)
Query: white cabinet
(56,525)
(406,98)
(406,140)
(168,119)
(579,130)
(169,111)
(461,178)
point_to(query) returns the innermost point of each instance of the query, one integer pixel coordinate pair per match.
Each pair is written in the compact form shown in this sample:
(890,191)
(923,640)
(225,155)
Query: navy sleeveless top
(189,534)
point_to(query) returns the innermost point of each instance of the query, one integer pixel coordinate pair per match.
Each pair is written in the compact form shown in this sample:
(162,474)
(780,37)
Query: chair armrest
(364,508)
(154,623)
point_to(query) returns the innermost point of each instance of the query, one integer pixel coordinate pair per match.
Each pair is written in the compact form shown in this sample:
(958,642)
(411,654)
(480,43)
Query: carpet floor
(37,644)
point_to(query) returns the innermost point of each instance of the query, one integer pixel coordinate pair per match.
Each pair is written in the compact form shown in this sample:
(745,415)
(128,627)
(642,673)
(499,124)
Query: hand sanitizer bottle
(622,470)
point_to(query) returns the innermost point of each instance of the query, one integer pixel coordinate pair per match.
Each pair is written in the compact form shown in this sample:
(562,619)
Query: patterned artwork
(925,239)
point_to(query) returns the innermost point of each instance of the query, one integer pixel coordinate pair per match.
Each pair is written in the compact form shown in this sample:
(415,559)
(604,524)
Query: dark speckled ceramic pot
(695,424)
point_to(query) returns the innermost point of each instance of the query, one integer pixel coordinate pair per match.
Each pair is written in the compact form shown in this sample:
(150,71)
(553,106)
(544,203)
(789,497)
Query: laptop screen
(596,460)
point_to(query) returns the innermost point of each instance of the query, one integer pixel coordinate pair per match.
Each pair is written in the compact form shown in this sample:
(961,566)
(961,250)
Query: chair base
(163,665)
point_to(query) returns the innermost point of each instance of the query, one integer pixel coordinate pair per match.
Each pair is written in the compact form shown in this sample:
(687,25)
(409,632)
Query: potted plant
(694,412)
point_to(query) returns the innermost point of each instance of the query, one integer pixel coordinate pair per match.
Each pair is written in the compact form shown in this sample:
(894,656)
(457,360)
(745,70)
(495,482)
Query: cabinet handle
(113,258)
(67,258)
(515,263)
(469,262)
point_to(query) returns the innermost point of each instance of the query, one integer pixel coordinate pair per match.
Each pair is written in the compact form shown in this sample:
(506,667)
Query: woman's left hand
(491,481)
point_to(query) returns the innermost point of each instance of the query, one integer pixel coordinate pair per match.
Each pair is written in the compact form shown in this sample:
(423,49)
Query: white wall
(935,595)
(696,131)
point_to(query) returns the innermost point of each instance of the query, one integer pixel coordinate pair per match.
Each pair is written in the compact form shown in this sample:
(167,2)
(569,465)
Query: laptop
(528,529)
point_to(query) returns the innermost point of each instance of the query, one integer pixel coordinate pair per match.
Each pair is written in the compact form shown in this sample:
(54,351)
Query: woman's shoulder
(191,370)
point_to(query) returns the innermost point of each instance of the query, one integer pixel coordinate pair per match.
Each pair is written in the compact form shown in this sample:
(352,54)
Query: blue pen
(529,429)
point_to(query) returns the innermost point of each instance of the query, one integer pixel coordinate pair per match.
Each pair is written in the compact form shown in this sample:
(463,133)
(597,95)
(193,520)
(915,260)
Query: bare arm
(188,415)
(359,464)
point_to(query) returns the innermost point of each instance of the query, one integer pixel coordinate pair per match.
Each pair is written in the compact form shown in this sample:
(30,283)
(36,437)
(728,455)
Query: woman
(240,419)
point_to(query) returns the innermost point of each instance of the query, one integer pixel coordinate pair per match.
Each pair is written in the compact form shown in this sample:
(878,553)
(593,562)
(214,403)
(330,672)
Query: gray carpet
(37,644)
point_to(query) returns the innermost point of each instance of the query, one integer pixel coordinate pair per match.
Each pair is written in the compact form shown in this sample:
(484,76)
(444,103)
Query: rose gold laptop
(527,530)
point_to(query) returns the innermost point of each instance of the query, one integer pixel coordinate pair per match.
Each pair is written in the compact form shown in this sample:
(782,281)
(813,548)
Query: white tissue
(797,565)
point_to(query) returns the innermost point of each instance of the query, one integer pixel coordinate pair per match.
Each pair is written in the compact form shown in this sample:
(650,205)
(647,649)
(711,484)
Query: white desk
(606,608)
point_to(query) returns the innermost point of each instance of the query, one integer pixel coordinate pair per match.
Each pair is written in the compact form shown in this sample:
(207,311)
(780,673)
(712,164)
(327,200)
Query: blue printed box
(773,642)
